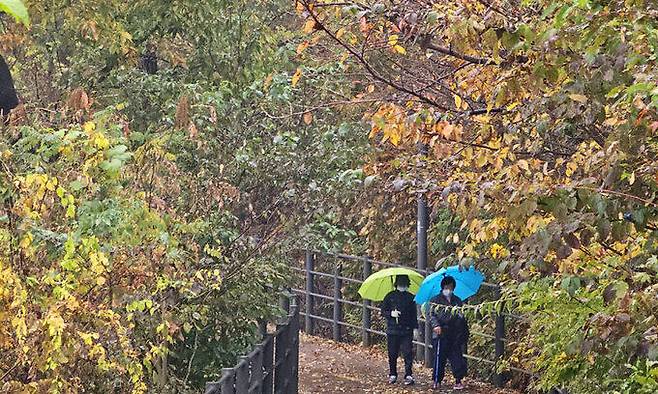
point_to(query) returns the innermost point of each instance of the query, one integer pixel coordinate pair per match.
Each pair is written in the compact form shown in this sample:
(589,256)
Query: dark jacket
(453,324)
(403,302)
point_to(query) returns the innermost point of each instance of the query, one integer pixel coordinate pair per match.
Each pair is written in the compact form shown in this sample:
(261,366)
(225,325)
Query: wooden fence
(310,274)
(272,367)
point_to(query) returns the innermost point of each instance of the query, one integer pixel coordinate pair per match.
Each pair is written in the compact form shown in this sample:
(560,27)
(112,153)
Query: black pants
(400,344)
(448,349)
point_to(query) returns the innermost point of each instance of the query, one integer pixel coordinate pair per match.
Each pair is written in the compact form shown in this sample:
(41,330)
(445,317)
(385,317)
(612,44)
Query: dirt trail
(326,366)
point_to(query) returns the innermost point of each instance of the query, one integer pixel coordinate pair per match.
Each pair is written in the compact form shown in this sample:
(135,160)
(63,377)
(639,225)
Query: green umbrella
(377,285)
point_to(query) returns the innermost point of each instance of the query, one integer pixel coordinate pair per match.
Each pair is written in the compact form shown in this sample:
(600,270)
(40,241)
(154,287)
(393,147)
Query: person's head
(448,285)
(402,282)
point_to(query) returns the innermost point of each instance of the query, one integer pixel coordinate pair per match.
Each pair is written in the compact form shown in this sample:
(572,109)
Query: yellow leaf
(301,47)
(458,101)
(101,141)
(513,105)
(309,26)
(89,127)
(395,136)
(296,77)
(578,97)
(400,49)
(340,32)
(393,40)
(631,178)
(26,241)
(481,160)
(571,168)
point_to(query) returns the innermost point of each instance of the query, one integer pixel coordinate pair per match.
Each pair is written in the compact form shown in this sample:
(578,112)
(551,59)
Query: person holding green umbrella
(395,287)
(399,309)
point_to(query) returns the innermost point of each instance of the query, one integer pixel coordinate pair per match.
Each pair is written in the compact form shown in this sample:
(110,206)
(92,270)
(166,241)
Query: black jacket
(403,302)
(453,324)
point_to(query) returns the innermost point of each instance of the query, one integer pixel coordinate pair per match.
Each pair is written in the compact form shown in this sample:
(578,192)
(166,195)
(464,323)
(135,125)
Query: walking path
(326,366)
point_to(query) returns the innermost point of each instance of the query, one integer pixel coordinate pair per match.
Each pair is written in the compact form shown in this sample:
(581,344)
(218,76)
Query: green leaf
(17,9)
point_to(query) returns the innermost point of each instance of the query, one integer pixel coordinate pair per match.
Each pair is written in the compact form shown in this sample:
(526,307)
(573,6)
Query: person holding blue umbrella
(449,287)
(449,334)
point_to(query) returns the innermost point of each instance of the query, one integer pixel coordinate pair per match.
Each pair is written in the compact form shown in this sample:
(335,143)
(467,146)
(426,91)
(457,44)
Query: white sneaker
(392,379)
(409,380)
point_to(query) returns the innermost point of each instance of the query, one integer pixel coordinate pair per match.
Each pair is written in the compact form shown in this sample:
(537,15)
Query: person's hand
(437,330)
(395,313)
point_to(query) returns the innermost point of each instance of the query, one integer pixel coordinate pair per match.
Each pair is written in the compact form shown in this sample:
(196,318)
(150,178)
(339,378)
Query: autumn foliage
(540,121)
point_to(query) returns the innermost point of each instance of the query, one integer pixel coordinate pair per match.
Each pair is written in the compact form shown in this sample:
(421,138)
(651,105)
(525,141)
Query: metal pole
(308,320)
(338,312)
(428,341)
(499,342)
(366,321)
(422,223)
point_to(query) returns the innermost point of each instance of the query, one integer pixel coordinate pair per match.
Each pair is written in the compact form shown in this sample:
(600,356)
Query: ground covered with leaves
(326,366)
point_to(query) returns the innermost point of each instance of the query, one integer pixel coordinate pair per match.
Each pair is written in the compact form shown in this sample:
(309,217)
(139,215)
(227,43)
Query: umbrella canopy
(377,285)
(468,283)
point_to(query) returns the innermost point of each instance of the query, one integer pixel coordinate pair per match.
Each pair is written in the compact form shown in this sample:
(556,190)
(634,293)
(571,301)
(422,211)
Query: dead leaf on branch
(182,118)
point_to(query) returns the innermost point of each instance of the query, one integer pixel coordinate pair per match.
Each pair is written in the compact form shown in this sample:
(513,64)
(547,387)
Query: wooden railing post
(338,306)
(310,289)
(499,341)
(366,320)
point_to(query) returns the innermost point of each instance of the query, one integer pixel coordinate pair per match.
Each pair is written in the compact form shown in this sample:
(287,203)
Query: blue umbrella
(468,283)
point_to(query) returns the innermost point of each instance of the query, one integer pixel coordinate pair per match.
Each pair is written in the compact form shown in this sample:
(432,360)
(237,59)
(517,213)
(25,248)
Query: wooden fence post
(268,364)
(499,341)
(280,347)
(257,370)
(338,306)
(366,320)
(310,289)
(228,374)
(294,342)
(242,376)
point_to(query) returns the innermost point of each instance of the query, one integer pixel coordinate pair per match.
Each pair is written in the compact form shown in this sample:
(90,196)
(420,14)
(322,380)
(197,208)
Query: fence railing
(334,282)
(272,367)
